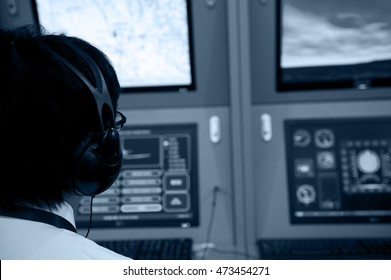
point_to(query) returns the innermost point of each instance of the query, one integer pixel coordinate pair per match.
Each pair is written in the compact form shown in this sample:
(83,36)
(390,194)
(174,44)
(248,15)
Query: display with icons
(339,170)
(158,184)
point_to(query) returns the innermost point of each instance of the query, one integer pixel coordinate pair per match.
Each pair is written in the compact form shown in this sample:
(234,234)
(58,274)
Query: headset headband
(100,92)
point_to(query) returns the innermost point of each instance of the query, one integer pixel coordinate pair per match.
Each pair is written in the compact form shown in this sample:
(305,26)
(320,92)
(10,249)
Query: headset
(97,160)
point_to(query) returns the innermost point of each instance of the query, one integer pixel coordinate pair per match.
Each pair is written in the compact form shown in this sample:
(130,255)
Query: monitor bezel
(284,87)
(173,88)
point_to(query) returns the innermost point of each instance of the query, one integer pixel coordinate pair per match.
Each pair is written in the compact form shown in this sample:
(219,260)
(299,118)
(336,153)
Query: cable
(212,214)
(89,224)
(209,231)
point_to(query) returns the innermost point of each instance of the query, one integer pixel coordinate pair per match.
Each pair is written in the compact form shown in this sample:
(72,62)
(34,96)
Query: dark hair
(45,111)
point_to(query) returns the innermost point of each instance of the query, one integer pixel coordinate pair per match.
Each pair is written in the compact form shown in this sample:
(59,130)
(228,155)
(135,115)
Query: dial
(306,194)
(368,161)
(324,138)
(301,138)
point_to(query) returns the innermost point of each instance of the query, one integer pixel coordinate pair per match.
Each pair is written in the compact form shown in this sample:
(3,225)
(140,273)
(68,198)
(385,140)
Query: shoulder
(88,249)
(28,240)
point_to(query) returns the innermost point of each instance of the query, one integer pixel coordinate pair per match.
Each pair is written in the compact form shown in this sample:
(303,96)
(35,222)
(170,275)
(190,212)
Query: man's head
(48,116)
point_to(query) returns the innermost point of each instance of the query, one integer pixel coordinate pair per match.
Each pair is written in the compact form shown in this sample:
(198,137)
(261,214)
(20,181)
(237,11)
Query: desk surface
(223,251)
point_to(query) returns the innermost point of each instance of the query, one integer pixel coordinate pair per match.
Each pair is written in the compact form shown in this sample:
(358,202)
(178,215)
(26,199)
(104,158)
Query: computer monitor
(339,170)
(148,42)
(158,184)
(333,44)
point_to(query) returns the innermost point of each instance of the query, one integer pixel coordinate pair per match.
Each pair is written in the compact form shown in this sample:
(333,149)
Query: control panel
(158,183)
(339,169)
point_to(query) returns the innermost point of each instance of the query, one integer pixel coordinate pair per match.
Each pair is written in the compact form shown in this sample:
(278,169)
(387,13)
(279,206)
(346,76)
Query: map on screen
(148,42)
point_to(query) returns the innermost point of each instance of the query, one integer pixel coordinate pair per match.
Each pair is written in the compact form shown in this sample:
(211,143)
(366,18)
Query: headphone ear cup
(97,163)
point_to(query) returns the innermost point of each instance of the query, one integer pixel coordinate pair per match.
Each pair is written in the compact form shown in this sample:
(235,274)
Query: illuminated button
(176,202)
(141,191)
(324,138)
(368,161)
(84,210)
(141,182)
(105,209)
(304,168)
(105,200)
(326,160)
(141,173)
(176,182)
(141,199)
(301,138)
(306,194)
(85,200)
(137,208)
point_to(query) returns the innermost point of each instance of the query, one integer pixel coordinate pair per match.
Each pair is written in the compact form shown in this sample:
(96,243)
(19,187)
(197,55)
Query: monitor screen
(148,42)
(158,184)
(339,170)
(333,44)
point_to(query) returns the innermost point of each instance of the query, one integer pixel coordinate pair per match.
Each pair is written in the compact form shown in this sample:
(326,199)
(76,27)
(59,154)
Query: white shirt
(26,240)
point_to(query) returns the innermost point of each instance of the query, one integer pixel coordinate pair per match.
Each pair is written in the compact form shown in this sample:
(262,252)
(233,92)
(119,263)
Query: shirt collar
(66,211)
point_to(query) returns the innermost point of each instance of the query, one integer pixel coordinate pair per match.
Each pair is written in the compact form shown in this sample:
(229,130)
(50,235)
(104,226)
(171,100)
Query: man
(59,139)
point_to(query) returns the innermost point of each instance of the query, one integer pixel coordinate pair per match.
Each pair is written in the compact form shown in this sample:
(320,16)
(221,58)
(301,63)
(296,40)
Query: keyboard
(325,248)
(152,249)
